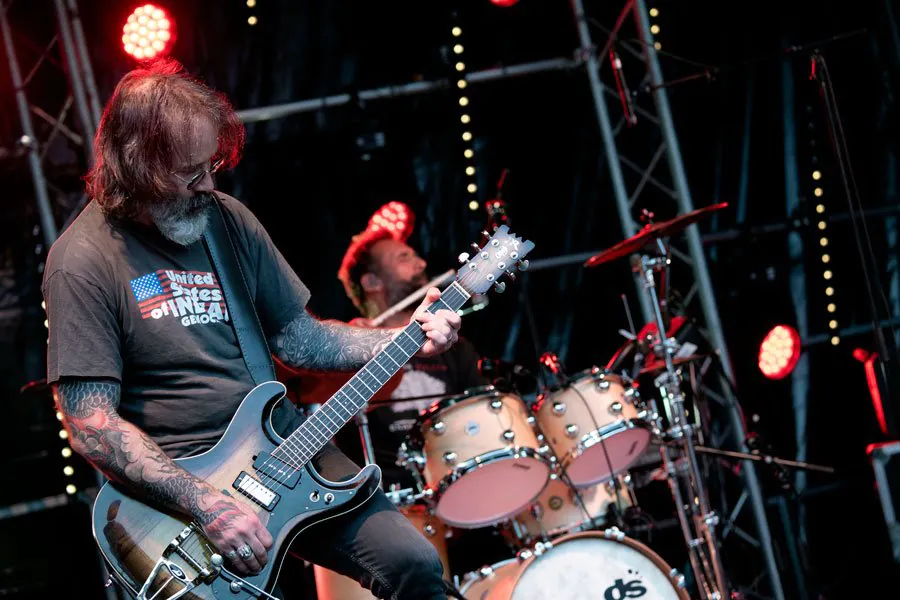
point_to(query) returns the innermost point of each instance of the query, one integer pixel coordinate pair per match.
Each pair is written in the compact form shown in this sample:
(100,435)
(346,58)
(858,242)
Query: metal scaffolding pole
(84,59)
(623,205)
(28,139)
(707,296)
(72,57)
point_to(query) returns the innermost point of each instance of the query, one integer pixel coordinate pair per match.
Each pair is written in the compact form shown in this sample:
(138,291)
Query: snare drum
(583,566)
(333,586)
(593,426)
(559,510)
(482,457)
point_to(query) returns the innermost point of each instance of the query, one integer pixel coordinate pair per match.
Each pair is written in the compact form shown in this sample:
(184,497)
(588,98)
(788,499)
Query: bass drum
(582,566)
(333,586)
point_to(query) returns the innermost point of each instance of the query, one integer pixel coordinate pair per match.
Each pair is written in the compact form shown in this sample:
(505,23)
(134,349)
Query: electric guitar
(160,554)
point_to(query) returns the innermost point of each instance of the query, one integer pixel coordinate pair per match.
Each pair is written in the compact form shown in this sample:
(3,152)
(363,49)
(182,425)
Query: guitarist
(143,358)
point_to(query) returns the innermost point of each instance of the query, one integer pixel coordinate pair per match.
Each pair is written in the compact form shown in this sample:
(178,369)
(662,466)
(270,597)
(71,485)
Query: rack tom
(593,426)
(482,457)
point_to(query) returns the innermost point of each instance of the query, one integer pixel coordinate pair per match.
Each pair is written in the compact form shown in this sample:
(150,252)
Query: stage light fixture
(654,12)
(779,352)
(148,32)
(504,3)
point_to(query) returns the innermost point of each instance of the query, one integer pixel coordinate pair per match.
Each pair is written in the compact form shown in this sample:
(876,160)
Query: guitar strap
(242,313)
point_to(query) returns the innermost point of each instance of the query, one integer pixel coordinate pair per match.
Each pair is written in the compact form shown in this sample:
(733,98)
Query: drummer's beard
(398,290)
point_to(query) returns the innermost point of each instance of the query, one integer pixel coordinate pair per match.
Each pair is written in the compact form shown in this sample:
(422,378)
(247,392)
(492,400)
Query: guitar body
(136,538)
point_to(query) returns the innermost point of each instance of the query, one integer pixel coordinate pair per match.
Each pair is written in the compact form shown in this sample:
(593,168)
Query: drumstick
(420,293)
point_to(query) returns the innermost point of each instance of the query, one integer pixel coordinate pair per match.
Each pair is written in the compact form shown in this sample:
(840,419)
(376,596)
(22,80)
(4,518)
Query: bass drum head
(587,566)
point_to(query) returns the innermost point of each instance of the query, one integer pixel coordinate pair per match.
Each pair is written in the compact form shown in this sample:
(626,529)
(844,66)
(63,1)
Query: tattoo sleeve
(126,454)
(322,345)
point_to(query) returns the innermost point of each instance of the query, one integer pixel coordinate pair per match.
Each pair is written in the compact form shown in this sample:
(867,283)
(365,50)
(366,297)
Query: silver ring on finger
(245,551)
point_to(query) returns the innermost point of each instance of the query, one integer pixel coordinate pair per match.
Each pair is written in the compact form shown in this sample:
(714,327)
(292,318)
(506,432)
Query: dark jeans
(375,544)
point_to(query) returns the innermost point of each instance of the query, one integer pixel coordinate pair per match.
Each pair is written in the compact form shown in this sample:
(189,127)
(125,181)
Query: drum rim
(416,438)
(476,575)
(594,437)
(578,377)
(476,462)
(615,536)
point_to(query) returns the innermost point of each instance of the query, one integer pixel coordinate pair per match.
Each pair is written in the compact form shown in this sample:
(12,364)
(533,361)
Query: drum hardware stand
(699,526)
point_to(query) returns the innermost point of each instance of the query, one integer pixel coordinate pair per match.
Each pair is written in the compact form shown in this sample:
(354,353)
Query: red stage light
(396,218)
(148,33)
(779,352)
(504,3)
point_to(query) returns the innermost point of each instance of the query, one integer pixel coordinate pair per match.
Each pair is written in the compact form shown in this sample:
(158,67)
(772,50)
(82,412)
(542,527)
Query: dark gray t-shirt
(123,302)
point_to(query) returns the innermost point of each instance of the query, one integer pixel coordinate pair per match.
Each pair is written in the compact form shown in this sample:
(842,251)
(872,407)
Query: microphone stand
(887,347)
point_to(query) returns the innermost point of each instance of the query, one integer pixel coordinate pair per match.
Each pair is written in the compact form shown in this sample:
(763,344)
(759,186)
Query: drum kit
(552,474)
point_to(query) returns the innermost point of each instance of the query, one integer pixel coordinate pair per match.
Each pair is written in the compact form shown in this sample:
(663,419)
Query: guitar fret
(322,416)
(329,418)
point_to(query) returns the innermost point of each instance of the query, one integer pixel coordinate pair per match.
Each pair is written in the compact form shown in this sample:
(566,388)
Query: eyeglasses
(192,181)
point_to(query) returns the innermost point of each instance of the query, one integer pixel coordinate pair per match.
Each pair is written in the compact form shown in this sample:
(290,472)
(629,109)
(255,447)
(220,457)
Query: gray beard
(177,226)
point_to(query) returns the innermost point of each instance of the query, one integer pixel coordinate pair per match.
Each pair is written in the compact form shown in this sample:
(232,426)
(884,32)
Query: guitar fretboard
(322,425)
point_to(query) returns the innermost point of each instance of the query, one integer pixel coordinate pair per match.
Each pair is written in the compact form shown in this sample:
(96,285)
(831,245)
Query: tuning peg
(500,287)
(463,257)
(512,276)
(485,233)
(476,247)
(523,265)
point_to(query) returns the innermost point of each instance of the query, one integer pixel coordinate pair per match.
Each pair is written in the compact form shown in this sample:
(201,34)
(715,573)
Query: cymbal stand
(679,457)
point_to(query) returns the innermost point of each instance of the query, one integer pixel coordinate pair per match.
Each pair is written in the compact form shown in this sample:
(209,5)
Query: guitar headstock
(501,254)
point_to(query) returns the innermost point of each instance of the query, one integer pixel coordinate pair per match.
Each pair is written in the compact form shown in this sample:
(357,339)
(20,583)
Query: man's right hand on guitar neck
(126,454)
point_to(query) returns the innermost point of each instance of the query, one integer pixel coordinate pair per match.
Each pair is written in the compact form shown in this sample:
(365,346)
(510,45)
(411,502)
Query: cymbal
(650,233)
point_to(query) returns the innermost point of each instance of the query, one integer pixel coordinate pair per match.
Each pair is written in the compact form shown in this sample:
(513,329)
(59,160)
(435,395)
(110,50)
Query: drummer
(379,270)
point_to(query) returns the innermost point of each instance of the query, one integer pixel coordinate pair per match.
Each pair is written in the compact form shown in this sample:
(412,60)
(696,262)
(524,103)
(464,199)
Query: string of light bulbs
(465,117)
(825,258)
(68,470)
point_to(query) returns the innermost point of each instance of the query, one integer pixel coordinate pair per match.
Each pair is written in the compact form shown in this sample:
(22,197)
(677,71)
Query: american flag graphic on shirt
(192,296)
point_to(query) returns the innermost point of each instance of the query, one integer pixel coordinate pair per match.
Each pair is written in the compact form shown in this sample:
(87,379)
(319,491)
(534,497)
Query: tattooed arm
(327,345)
(127,455)
(309,343)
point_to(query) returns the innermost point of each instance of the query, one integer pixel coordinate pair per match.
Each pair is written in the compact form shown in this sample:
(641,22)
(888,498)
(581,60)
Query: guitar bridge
(167,573)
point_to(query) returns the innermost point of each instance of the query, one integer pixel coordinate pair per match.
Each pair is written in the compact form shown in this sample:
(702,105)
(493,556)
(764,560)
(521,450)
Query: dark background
(314,186)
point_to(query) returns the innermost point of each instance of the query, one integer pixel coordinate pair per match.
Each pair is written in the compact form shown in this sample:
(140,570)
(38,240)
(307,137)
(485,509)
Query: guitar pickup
(256,491)
(281,473)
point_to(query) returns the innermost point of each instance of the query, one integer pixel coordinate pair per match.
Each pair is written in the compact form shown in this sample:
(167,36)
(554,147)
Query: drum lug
(542,547)
(508,435)
(523,555)
(602,384)
(439,428)
(496,404)
(559,408)
(537,511)
(429,530)
(677,577)
(614,533)
(631,395)
(531,421)
(572,430)
(615,408)
(450,458)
